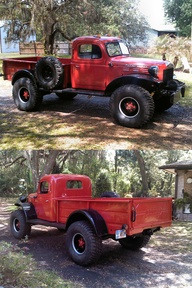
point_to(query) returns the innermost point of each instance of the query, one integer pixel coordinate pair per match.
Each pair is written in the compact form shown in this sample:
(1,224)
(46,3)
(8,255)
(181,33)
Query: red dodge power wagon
(65,202)
(99,66)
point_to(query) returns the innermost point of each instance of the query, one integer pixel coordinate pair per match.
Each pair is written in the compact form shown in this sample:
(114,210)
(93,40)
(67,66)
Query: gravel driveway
(86,124)
(165,262)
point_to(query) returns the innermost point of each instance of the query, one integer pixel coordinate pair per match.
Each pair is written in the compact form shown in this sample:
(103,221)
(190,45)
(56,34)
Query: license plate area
(119,234)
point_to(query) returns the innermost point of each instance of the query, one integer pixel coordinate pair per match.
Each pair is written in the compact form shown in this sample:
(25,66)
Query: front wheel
(18,225)
(131,106)
(25,95)
(83,245)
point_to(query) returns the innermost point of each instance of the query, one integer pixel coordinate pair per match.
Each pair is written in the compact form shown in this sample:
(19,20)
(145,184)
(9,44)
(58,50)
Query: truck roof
(96,38)
(64,176)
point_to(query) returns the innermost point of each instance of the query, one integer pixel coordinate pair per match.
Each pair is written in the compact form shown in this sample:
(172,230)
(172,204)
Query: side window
(89,51)
(74,184)
(44,187)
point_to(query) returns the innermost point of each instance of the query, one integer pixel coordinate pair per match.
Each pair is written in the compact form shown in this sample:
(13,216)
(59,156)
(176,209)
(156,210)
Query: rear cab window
(74,184)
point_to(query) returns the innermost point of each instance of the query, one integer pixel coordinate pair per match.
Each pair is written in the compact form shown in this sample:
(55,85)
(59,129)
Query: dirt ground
(165,262)
(86,124)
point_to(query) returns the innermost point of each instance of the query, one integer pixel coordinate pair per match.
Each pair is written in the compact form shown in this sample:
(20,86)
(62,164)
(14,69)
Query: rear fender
(93,217)
(147,82)
(23,74)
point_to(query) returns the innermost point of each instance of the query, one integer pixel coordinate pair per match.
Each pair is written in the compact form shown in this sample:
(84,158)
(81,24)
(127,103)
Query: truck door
(88,68)
(43,203)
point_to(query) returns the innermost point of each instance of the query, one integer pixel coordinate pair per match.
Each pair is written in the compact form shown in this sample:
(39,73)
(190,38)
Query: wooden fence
(60,48)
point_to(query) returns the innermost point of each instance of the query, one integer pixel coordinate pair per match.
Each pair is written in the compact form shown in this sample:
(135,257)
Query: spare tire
(49,72)
(109,194)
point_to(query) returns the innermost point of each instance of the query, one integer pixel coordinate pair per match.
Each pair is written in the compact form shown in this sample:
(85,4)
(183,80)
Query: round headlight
(153,70)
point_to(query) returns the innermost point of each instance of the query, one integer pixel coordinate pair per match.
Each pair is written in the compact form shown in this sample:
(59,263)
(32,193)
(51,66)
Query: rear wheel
(84,246)
(131,106)
(25,95)
(134,243)
(18,225)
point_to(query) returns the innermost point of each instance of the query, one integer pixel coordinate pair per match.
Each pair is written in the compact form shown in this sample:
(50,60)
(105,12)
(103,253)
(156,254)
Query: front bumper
(174,90)
(180,92)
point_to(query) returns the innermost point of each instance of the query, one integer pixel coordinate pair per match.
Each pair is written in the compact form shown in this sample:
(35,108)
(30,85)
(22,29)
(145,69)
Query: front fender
(23,73)
(28,209)
(145,81)
(93,217)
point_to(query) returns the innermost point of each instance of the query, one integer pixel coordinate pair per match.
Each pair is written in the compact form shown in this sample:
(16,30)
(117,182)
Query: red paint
(62,197)
(87,73)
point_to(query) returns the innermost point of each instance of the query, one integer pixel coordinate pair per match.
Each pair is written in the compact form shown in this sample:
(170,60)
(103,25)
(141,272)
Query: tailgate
(150,213)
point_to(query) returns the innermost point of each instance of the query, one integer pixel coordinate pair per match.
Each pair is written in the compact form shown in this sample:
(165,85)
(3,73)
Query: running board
(46,223)
(79,91)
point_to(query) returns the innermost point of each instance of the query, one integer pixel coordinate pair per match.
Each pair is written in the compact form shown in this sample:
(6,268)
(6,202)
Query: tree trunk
(141,163)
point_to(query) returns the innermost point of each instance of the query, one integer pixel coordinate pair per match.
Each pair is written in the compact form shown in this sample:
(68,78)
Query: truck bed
(12,65)
(138,213)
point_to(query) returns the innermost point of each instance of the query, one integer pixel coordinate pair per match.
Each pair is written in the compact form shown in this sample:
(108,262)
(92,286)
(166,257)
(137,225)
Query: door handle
(46,201)
(77,66)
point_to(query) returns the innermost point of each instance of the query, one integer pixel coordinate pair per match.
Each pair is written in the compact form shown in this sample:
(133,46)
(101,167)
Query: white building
(183,187)
(9,47)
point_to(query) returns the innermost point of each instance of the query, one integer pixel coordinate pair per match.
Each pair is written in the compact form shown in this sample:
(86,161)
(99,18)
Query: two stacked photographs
(95,144)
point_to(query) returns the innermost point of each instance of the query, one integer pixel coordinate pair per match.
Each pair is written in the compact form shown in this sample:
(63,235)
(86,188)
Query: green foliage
(173,47)
(109,170)
(102,183)
(20,270)
(181,202)
(180,11)
(68,19)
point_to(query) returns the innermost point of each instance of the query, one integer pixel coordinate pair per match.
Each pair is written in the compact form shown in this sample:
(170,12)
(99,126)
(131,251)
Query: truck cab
(98,61)
(52,188)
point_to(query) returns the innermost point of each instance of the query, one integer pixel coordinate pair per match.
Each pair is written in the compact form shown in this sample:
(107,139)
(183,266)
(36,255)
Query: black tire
(109,194)
(131,106)
(49,72)
(25,95)
(83,245)
(134,243)
(162,104)
(18,225)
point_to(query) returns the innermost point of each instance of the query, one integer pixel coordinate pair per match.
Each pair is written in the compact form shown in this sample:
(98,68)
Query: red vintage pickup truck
(64,201)
(99,66)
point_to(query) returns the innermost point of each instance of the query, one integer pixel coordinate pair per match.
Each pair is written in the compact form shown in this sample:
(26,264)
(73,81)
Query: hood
(134,62)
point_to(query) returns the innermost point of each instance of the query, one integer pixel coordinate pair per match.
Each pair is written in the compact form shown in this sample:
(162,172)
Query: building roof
(164,28)
(173,167)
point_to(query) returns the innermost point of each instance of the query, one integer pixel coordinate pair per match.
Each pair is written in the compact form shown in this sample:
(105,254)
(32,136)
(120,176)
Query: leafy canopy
(51,19)
(180,11)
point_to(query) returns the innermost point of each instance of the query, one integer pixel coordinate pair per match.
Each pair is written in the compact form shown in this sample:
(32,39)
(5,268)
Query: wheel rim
(78,243)
(47,74)
(129,107)
(16,225)
(24,94)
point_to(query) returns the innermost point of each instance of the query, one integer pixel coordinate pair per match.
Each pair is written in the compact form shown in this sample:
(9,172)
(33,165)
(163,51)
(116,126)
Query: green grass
(187,79)
(175,239)
(20,270)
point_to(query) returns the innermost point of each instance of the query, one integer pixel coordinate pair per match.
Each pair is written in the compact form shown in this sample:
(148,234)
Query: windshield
(117,48)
